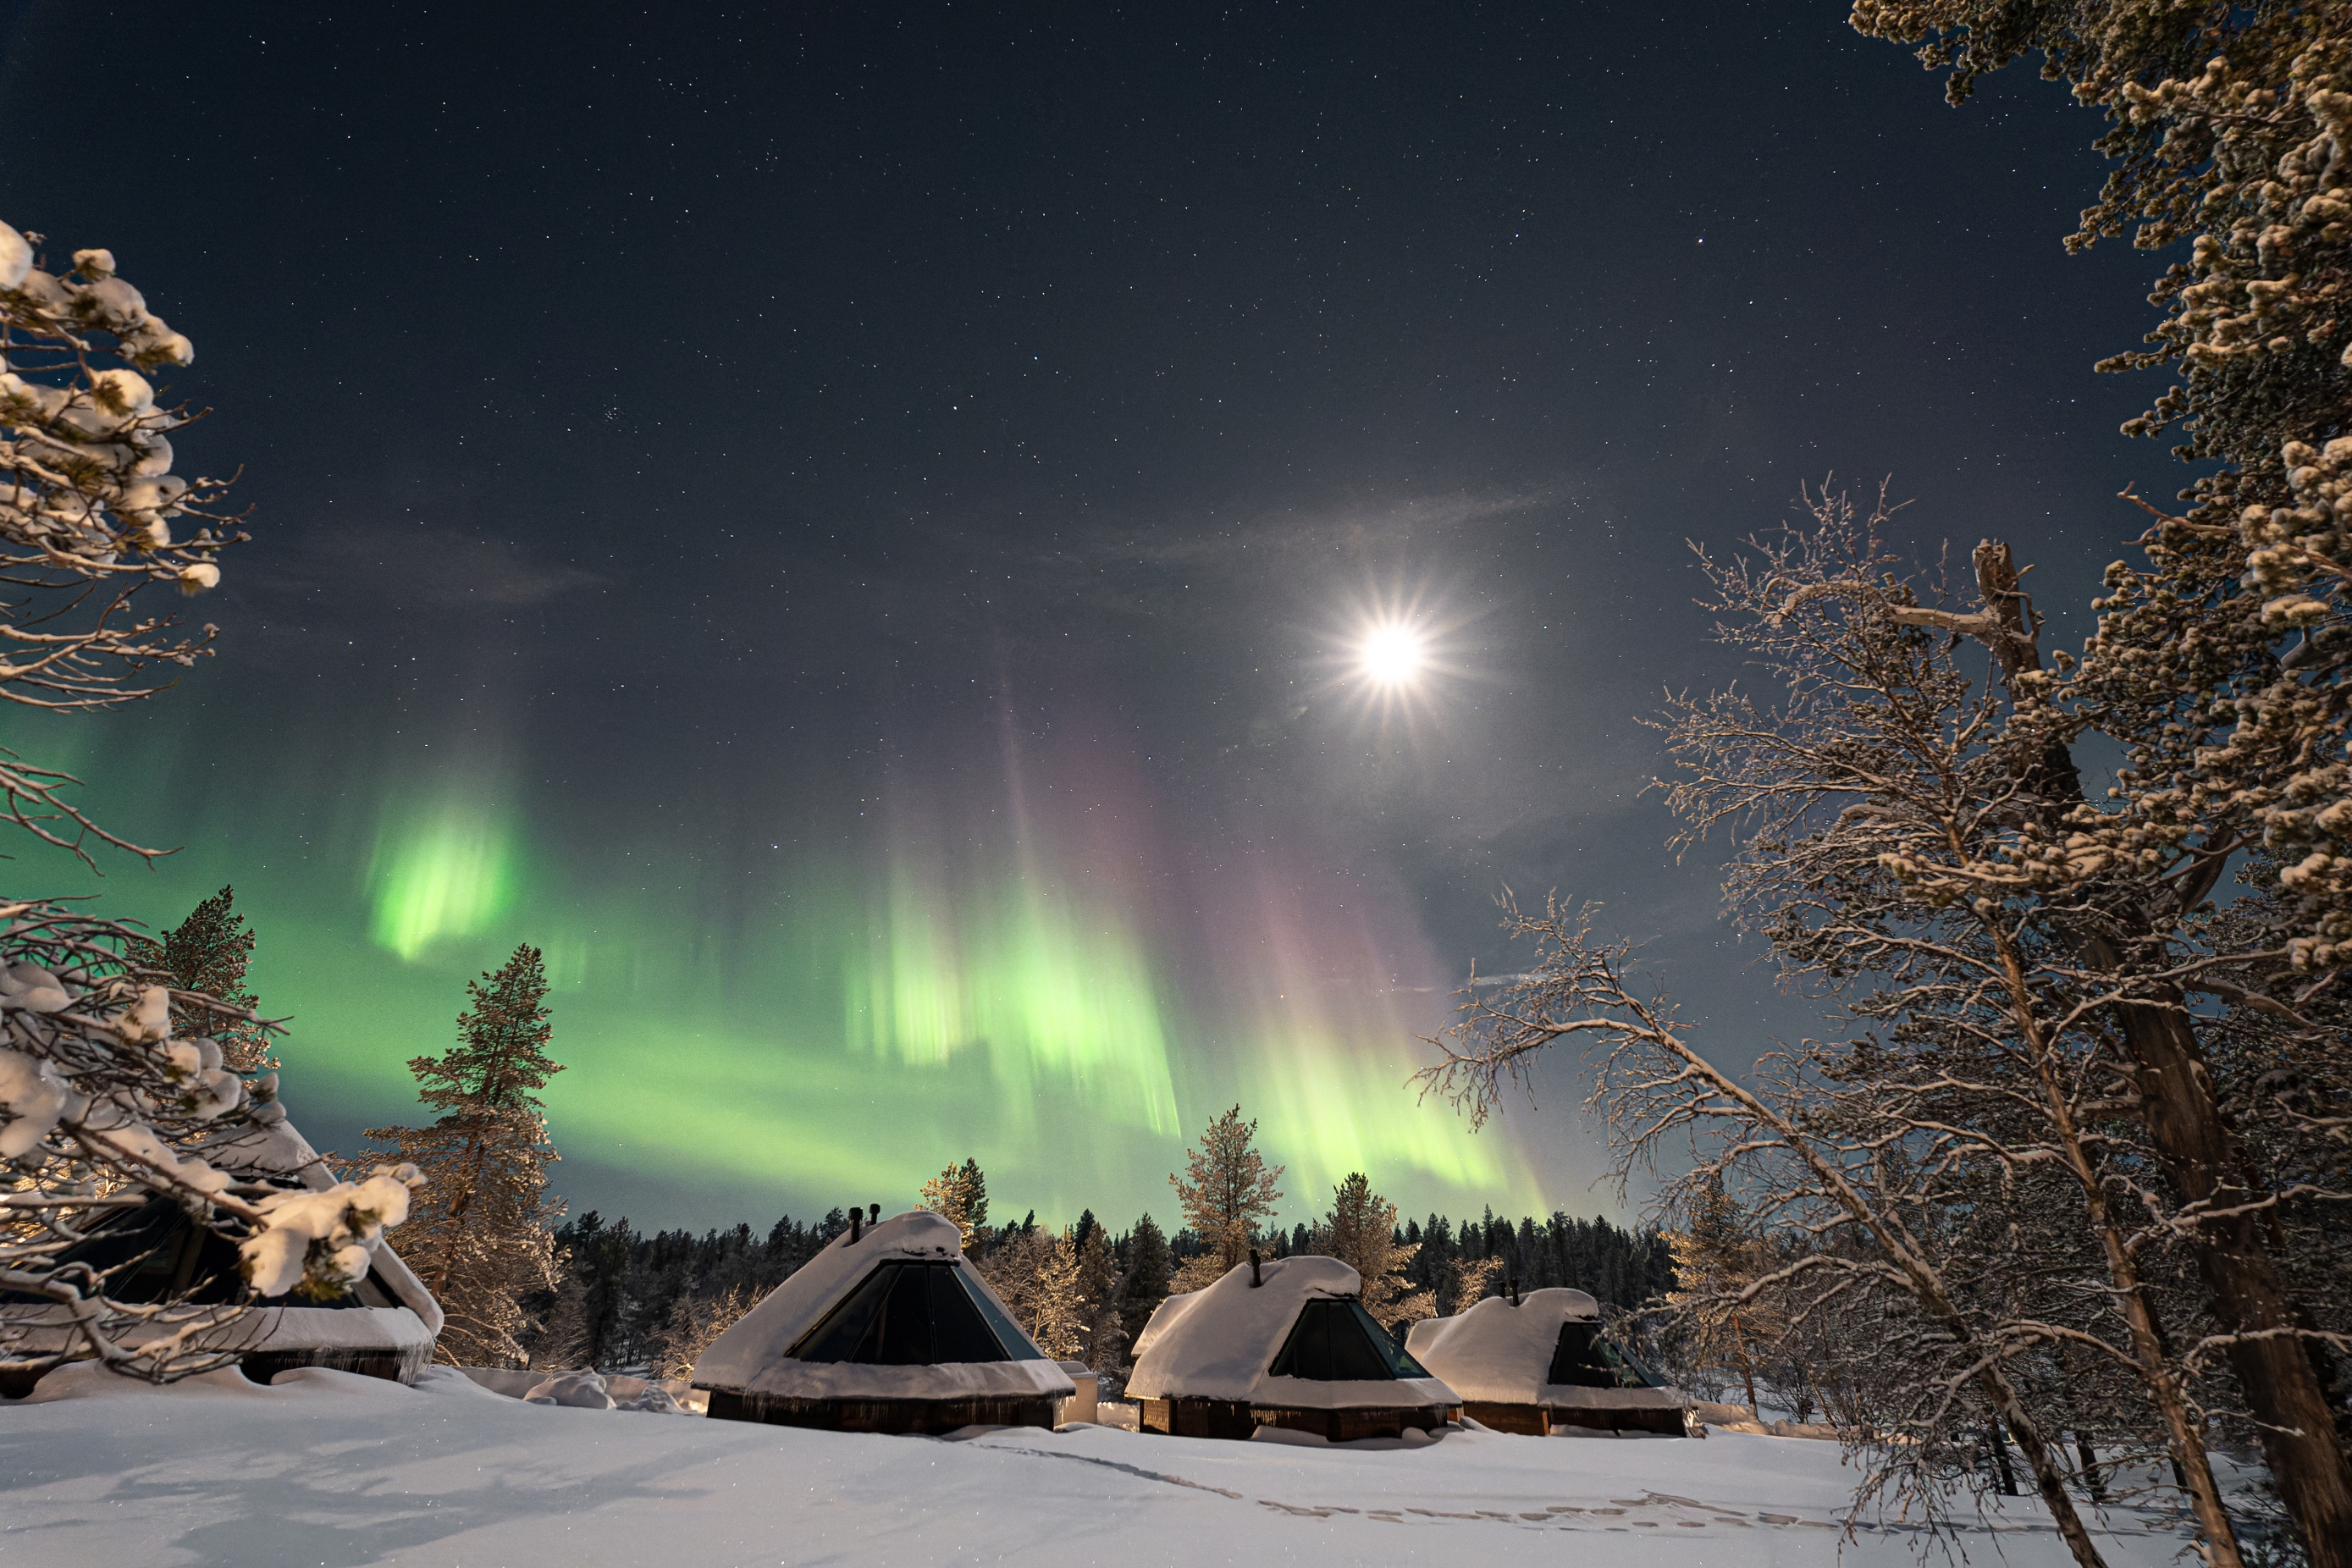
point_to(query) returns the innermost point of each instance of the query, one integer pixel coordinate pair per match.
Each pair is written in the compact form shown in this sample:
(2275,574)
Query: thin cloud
(423,566)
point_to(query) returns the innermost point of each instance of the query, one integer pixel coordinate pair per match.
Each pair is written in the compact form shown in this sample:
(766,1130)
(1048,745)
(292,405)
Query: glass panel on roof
(906,1314)
(838,1333)
(1018,1346)
(1584,1359)
(1336,1341)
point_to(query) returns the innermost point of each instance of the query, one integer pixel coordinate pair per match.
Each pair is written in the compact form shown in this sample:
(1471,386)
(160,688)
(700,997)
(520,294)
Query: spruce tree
(1716,1259)
(960,1194)
(1149,1264)
(478,1236)
(1102,1335)
(1058,1313)
(1360,1232)
(1229,1190)
(209,951)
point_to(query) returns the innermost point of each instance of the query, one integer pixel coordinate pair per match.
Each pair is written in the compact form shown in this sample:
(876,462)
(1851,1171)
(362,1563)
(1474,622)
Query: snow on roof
(755,1355)
(1500,1352)
(1218,1344)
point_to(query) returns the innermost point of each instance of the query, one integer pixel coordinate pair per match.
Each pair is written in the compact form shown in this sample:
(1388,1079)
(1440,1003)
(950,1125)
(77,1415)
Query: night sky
(851,530)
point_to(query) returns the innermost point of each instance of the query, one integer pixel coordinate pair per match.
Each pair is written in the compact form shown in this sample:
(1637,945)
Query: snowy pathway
(329,1469)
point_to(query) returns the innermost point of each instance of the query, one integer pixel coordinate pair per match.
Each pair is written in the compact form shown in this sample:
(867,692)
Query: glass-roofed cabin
(153,1254)
(1540,1362)
(1285,1343)
(888,1329)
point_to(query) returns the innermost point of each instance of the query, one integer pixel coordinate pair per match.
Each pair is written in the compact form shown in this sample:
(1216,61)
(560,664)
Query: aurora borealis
(852,530)
(1012,979)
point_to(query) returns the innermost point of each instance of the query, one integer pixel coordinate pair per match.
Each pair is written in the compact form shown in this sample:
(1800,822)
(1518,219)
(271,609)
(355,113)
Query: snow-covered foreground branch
(101,1104)
(327,1467)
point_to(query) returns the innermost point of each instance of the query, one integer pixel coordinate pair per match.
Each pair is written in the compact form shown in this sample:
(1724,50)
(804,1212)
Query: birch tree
(1905,845)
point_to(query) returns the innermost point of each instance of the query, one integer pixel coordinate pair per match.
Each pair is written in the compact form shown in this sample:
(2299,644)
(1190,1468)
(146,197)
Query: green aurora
(815,1027)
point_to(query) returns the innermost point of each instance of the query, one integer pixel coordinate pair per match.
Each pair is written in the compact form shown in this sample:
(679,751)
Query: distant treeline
(632,1298)
(1618,1268)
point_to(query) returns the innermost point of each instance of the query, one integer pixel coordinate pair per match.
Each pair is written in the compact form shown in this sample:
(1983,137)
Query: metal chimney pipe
(1256,1280)
(856,1225)
(874,1213)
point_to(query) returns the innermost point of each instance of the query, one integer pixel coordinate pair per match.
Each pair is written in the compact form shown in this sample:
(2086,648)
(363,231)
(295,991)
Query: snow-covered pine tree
(1360,1231)
(960,1193)
(1058,1312)
(209,953)
(1230,1189)
(1716,1257)
(480,1239)
(114,1088)
(1145,1282)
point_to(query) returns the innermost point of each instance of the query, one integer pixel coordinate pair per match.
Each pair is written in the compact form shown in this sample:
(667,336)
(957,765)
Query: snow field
(327,1468)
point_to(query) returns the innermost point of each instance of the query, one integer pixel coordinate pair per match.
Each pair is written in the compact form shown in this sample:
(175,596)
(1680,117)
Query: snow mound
(1500,1352)
(574,1390)
(1220,1343)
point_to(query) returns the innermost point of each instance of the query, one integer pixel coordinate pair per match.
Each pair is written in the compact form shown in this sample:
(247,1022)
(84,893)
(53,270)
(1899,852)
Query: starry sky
(850,528)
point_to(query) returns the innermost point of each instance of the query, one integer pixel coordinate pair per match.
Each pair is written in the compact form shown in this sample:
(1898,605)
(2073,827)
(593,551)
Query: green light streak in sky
(826,1030)
(446,873)
(1060,996)
(1331,1106)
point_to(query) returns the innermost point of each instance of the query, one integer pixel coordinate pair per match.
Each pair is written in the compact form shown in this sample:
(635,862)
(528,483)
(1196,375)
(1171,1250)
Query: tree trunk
(2000,1459)
(2283,1387)
(2092,1484)
(2047,1479)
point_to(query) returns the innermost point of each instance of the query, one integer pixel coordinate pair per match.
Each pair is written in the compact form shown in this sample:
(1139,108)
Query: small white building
(1285,1343)
(1540,1362)
(889,1329)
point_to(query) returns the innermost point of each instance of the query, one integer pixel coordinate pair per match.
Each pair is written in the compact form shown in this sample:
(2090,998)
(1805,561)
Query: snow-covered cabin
(886,1330)
(384,1327)
(1541,1363)
(1285,1343)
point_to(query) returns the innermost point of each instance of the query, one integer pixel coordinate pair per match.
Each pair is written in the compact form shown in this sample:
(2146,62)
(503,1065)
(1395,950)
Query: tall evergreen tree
(1149,1266)
(1231,1189)
(960,1194)
(1717,1259)
(1058,1313)
(1103,1336)
(209,951)
(1360,1232)
(478,1236)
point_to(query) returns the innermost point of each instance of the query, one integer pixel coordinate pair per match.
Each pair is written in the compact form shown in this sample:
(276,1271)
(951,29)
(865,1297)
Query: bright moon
(1391,655)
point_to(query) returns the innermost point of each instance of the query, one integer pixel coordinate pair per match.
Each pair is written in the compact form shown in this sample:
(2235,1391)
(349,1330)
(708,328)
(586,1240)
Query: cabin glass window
(1336,1341)
(907,1314)
(1585,1359)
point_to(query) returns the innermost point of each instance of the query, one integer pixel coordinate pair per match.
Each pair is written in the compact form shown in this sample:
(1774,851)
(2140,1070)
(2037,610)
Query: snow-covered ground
(330,1468)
